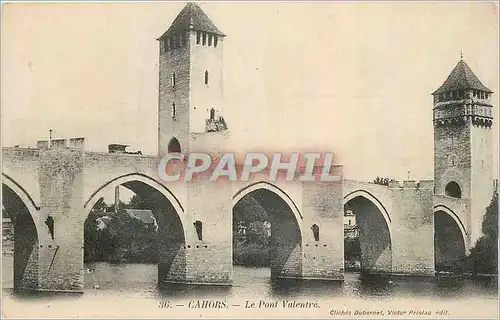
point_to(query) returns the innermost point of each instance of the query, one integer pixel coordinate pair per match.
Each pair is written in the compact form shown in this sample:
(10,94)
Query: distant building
(7,227)
(351,229)
(349,218)
(261,228)
(102,222)
(145,216)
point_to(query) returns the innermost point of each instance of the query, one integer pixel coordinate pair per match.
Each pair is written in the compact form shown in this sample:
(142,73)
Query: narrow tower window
(173,110)
(173,79)
(212,114)
(206,76)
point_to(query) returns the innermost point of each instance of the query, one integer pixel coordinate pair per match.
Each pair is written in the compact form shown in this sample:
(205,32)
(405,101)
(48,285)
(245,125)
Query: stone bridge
(50,192)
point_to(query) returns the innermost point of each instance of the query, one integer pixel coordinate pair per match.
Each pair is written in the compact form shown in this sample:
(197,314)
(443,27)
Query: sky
(350,78)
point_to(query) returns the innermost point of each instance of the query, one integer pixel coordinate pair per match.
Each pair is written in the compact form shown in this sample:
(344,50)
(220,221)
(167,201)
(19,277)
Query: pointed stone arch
(375,234)
(169,214)
(286,254)
(24,215)
(272,188)
(373,199)
(24,196)
(450,238)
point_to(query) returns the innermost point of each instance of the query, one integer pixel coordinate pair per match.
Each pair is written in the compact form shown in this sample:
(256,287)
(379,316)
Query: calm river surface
(138,281)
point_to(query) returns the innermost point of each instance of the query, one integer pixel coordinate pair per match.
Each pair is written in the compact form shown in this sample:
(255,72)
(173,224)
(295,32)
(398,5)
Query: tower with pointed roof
(463,156)
(190,82)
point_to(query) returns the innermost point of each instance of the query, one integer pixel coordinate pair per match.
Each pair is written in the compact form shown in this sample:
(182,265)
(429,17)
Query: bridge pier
(209,233)
(60,254)
(413,231)
(323,210)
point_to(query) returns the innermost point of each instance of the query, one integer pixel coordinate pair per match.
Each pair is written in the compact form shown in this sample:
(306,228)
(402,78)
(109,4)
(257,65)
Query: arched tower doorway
(174,146)
(452,189)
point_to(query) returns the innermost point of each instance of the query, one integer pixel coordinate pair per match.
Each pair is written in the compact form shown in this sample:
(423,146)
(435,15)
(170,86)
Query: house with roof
(145,216)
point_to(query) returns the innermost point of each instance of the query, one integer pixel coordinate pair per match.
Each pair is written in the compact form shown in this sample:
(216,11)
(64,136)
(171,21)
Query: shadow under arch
(170,218)
(285,253)
(375,236)
(24,196)
(450,238)
(23,215)
(273,188)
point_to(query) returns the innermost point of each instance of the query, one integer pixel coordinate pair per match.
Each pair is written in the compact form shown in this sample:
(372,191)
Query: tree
(137,202)
(483,257)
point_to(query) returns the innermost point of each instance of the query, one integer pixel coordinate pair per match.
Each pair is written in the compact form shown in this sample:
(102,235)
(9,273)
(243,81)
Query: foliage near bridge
(118,237)
(483,258)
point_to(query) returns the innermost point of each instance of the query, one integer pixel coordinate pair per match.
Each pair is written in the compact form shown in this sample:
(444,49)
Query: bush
(483,257)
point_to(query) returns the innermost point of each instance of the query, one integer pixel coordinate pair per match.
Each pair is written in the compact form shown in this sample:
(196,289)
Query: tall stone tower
(190,83)
(463,146)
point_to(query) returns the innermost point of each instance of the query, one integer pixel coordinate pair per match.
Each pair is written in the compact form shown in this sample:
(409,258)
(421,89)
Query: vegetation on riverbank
(117,237)
(483,258)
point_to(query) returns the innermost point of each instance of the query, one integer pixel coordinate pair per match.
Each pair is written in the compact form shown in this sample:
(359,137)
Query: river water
(135,282)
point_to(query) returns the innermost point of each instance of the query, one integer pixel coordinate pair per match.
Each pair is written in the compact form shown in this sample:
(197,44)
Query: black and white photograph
(220,159)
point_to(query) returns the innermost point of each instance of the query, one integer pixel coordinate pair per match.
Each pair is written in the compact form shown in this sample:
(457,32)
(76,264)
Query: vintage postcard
(334,160)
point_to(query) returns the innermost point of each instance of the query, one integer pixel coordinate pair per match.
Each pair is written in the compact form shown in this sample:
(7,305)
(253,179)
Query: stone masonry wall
(323,206)
(209,260)
(454,141)
(413,229)
(177,60)
(61,190)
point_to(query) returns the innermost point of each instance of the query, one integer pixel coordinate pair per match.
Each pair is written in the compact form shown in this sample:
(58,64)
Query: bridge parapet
(412,184)
(20,153)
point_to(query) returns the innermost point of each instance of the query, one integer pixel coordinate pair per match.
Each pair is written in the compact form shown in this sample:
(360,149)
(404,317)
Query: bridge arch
(169,214)
(375,234)
(23,195)
(374,200)
(272,205)
(23,212)
(454,216)
(450,238)
(272,188)
(126,180)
